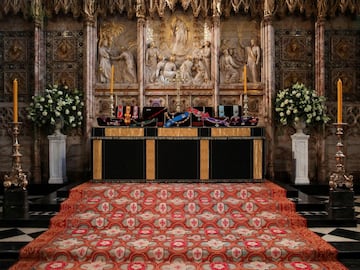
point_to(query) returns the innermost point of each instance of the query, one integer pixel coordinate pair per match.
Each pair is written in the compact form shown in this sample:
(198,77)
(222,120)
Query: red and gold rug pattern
(157,226)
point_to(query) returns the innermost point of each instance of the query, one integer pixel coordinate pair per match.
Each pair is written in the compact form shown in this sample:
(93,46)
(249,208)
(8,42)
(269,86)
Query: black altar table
(178,154)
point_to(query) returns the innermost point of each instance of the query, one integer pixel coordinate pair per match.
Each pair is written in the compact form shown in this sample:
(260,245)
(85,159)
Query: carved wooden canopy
(139,8)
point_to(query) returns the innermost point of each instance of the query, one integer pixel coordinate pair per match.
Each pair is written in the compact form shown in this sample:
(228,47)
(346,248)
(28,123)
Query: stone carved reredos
(164,42)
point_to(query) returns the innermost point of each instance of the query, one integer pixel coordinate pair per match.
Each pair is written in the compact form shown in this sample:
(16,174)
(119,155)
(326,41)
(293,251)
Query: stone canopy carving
(254,8)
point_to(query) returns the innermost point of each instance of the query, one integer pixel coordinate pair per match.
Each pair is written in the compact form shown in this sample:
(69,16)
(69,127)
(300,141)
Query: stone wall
(60,42)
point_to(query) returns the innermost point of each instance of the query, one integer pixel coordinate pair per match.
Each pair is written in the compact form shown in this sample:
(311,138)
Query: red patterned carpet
(178,226)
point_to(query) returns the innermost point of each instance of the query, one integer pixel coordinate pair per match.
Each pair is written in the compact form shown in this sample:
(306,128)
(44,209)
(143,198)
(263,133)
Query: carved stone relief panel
(343,49)
(178,50)
(240,45)
(64,57)
(117,46)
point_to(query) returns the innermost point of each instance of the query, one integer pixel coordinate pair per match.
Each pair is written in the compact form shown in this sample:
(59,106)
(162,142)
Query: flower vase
(59,124)
(300,125)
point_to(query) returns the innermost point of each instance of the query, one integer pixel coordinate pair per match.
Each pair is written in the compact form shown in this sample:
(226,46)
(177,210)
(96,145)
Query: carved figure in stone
(229,68)
(159,74)
(128,73)
(170,69)
(151,61)
(186,70)
(196,53)
(180,33)
(201,72)
(206,56)
(253,60)
(104,60)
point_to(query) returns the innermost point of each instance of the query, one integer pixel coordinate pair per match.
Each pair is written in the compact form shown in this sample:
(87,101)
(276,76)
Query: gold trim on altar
(124,132)
(177,132)
(230,132)
(97,159)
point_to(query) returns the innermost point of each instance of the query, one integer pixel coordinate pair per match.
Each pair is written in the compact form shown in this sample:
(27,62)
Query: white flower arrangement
(57,102)
(300,103)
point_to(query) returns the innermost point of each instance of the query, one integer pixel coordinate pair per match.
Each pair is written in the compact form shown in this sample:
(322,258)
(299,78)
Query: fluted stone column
(268,45)
(215,61)
(89,73)
(141,59)
(320,88)
(39,80)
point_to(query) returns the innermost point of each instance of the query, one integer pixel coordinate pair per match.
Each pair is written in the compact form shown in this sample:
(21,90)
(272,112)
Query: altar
(178,154)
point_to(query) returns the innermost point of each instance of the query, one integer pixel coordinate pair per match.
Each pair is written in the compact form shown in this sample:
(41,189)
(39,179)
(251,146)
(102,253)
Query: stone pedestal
(341,204)
(57,158)
(301,157)
(15,204)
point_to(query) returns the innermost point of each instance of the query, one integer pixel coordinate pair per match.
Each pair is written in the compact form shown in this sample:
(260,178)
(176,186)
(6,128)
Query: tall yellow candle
(245,80)
(15,101)
(339,98)
(112,80)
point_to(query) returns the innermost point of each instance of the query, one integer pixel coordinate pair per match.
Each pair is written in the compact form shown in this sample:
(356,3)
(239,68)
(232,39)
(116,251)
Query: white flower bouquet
(57,102)
(300,103)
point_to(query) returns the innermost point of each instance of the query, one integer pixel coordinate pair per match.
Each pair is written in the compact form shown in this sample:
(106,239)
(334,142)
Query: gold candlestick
(245,105)
(112,107)
(17,177)
(339,179)
(178,93)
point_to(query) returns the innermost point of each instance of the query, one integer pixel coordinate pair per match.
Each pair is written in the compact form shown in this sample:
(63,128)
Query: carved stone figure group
(232,60)
(125,60)
(194,68)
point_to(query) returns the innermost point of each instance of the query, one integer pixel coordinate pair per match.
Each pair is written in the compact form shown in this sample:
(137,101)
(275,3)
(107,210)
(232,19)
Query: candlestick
(245,80)
(339,178)
(339,98)
(17,178)
(112,113)
(15,101)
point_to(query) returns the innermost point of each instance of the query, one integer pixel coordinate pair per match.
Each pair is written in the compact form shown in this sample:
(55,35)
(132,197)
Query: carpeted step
(199,226)
(178,263)
(240,244)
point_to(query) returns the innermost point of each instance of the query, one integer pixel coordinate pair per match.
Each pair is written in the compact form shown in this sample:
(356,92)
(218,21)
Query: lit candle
(339,98)
(245,80)
(15,101)
(112,80)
